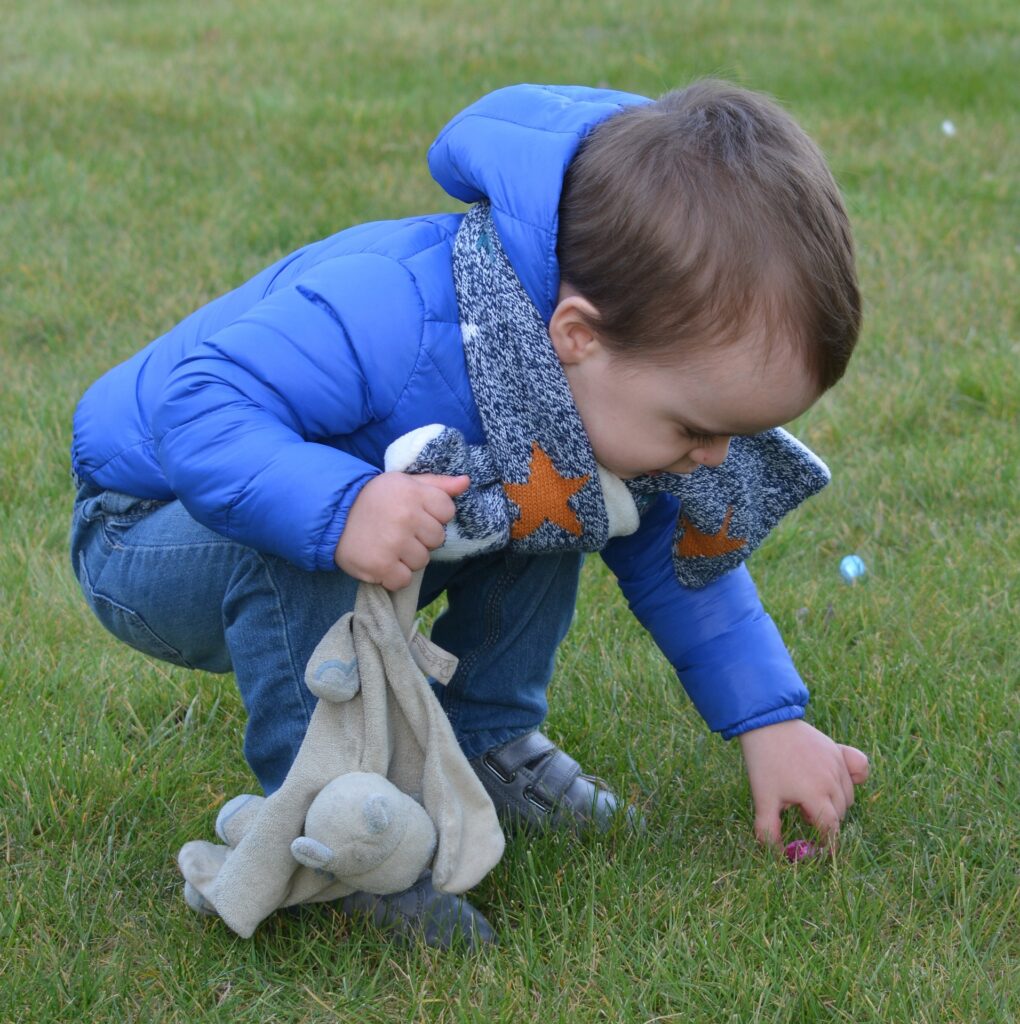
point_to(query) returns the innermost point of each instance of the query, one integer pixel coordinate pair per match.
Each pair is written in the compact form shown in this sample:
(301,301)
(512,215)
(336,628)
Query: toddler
(663,278)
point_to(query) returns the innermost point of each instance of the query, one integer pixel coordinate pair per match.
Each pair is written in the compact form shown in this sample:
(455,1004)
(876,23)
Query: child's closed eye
(699,438)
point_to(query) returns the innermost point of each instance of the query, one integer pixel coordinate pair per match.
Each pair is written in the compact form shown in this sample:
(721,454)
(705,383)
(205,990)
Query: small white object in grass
(948,128)
(852,568)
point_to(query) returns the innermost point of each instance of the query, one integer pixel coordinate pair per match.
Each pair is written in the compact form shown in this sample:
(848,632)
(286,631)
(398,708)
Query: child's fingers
(856,763)
(824,817)
(396,577)
(438,500)
(431,533)
(768,828)
(414,554)
(452,485)
(846,786)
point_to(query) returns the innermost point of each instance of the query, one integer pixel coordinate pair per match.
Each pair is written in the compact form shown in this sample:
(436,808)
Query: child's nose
(713,454)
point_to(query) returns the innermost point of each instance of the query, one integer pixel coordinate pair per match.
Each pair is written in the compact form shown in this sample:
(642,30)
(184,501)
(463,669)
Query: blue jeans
(173,589)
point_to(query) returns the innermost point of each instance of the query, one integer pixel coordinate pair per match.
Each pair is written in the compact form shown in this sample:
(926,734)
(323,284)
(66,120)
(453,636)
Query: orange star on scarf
(695,544)
(544,498)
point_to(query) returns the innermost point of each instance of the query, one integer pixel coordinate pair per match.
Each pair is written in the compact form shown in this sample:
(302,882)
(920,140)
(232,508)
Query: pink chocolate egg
(800,849)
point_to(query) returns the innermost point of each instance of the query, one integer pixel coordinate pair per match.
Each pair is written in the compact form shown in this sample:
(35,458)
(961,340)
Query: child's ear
(570,328)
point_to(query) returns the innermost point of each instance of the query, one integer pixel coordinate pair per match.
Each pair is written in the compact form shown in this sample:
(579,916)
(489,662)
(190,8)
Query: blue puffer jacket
(267,410)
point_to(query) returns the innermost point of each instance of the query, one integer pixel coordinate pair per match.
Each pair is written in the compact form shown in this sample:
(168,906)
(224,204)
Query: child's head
(691,220)
(701,234)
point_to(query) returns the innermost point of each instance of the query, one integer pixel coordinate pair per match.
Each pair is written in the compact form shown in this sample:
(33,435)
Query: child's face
(646,417)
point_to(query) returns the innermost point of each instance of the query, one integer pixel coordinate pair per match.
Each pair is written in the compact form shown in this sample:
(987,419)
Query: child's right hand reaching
(394,523)
(792,764)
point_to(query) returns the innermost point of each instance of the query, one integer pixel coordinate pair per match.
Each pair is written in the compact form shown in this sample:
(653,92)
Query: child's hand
(792,764)
(394,523)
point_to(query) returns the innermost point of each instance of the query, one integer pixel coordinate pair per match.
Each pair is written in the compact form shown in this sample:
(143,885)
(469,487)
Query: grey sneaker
(536,786)
(423,914)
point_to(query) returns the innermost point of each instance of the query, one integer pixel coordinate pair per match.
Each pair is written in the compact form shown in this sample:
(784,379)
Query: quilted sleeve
(243,423)
(724,647)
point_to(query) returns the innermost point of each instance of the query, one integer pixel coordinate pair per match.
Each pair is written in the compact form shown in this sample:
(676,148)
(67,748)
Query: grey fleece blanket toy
(378,793)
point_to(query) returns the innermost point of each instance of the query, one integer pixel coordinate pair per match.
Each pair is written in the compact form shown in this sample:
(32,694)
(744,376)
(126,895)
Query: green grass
(153,155)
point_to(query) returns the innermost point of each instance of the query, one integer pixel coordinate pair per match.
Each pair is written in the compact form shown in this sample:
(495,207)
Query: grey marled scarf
(535,483)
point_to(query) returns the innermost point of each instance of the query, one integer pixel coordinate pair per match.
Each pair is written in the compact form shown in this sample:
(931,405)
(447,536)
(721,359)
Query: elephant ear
(312,854)
(332,672)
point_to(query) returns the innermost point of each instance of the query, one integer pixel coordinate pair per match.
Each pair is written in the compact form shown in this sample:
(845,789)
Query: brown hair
(703,214)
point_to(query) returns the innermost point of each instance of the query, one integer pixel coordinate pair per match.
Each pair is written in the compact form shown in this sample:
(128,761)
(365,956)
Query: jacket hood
(512,147)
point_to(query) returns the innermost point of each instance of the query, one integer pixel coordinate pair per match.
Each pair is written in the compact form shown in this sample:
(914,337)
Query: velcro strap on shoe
(557,774)
(513,756)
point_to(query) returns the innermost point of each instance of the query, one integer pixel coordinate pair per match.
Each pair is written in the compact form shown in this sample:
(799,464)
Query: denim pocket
(123,622)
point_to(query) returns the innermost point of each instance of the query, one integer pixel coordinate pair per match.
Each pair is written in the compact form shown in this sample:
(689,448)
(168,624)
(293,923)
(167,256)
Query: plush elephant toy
(378,793)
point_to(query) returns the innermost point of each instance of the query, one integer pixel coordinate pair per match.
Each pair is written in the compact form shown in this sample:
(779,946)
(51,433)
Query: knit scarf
(535,483)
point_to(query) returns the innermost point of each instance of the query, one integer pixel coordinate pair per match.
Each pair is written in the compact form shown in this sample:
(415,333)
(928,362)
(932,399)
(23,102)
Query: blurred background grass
(153,155)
